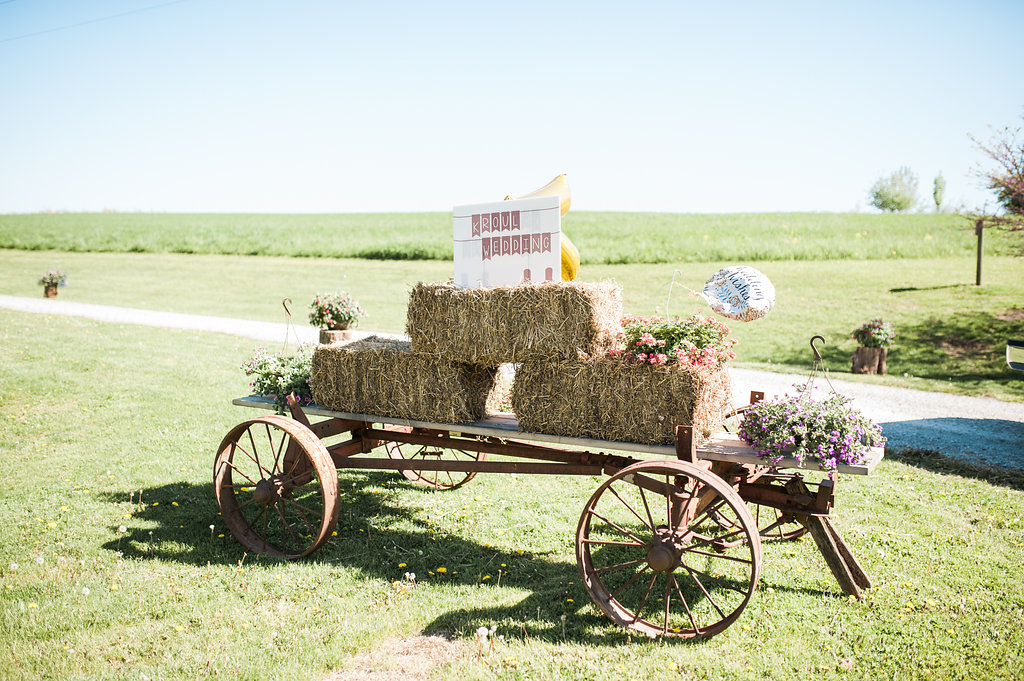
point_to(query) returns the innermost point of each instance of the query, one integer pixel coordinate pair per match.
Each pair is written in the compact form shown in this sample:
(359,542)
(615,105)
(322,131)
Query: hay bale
(609,398)
(511,324)
(383,377)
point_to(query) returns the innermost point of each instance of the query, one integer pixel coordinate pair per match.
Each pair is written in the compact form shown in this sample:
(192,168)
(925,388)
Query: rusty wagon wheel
(654,559)
(276,487)
(440,479)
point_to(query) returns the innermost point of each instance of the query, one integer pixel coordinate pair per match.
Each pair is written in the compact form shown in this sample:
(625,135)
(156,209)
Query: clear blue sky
(302,106)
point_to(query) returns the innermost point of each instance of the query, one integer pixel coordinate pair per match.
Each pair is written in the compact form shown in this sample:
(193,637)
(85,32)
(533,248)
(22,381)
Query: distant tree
(1007,181)
(895,193)
(939,191)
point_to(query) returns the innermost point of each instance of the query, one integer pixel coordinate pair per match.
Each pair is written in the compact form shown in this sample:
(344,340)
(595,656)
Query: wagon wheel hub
(267,491)
(664,553)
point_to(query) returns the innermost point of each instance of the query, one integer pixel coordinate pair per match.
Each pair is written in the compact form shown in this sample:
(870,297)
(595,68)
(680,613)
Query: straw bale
(511,324)
(383,377)
(609,398)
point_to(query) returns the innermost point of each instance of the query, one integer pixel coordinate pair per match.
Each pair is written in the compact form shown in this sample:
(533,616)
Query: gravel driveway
(980,429)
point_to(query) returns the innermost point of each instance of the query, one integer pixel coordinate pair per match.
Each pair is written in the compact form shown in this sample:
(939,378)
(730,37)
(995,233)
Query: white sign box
(507,242)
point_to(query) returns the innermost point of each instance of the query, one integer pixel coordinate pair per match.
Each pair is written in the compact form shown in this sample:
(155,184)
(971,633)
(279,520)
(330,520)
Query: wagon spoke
(241,506)
(647,508)
(717,555)
(630,581)
(280,449)
(302,515)
(647,593)
(285,525)
(612,542)
(777,525)
(238,470)
(625,532)
(714,579)
(620,565)
(255,456)
(686,606)
(668,501)
(703,590)
(626,504)
(704,513)
(668,600)
(287,482)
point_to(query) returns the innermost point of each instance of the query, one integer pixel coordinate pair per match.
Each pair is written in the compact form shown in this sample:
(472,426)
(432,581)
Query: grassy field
(952,333)
(109,568)
(602,238)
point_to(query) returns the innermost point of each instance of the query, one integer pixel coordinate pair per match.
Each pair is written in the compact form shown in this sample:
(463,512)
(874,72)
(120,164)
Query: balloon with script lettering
(740,292)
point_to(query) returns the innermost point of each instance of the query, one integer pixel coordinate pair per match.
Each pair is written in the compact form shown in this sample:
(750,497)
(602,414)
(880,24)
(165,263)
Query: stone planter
(328,336)
(49,291)
(869,361)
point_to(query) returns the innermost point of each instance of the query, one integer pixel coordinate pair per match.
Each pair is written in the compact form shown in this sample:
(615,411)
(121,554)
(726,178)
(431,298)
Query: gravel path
(975,428)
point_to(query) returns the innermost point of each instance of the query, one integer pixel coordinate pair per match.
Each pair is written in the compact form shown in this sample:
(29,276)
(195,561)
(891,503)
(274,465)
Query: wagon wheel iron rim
(440,479)
(655,561)
(276,487)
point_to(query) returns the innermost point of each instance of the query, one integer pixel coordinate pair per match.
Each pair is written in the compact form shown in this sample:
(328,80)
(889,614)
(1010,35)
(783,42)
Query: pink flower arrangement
(699,341)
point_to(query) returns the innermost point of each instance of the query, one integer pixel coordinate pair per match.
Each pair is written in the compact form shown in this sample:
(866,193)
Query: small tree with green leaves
(939,191)
(895,193)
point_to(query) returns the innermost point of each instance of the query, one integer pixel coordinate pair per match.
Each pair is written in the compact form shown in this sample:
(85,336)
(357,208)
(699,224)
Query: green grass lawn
(94,415)
(952,333)
(606,238)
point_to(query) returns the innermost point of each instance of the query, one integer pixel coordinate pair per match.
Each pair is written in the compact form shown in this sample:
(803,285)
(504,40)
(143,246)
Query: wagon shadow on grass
(375,536)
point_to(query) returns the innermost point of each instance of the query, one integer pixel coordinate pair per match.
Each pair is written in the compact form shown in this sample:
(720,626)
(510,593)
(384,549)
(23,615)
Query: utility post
(979,229)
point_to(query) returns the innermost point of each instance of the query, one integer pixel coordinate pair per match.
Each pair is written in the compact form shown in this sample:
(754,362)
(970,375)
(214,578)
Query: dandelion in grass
(401,565)
(32,606)
(442,570)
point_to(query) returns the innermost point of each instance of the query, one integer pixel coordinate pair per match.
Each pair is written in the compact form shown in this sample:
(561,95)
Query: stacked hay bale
(512,324)
(385,377)
(610,398)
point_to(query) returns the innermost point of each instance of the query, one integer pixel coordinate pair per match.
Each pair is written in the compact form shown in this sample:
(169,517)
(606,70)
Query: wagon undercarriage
(668,544)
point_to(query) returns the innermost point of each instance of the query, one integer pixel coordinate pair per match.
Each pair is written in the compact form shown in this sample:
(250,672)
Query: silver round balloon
(740,292)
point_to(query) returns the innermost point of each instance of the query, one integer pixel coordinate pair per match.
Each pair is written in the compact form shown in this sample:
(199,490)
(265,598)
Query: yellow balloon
(570,259)
(570,256)
(557,187)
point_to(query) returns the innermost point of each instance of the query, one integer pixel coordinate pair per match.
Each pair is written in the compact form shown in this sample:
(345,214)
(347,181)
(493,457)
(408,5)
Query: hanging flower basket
(335,314)
(827,431)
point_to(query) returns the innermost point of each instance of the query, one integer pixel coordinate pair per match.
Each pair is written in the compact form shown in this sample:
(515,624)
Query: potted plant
(828,431)
(279,375)
(334,314)
(873,341)
(50,280)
